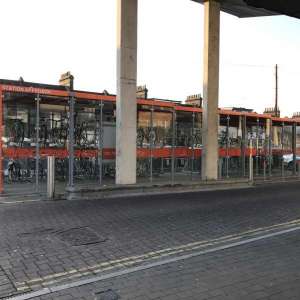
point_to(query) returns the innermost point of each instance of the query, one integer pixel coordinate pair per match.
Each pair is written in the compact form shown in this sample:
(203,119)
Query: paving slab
(33,255)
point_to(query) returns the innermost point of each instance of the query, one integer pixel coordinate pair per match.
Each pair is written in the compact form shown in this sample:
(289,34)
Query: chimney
(142,92)
(66,79)
(194,100)
(296,115)
(272,112)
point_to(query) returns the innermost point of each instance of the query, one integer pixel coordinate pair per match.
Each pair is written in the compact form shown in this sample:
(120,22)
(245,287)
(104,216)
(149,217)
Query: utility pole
(276,91)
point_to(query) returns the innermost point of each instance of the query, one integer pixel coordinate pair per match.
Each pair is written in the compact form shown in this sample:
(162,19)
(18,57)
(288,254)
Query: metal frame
(173,160)
(97,97)
(151,137)
(193,144)
(282,149)
(227,146)
(37,142)
(270,158)
(71,140)
(244,144)
(99,141)
(257,148)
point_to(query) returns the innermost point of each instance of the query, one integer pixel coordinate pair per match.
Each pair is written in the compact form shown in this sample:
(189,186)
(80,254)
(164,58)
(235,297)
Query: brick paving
(265,270)
(31,246)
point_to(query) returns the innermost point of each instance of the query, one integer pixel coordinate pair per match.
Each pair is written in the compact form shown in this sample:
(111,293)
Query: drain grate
(80,236)
(107,295)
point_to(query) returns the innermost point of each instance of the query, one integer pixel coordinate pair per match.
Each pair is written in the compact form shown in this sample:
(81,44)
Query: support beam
(126,91)
(211,89)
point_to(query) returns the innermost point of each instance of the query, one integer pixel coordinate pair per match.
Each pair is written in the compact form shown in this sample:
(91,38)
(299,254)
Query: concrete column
(240,131)
(211,89)
(275,136)
(268,128)
(126,91)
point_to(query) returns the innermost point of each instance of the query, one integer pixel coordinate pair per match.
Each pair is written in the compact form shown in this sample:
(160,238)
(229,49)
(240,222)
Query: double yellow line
(146,257)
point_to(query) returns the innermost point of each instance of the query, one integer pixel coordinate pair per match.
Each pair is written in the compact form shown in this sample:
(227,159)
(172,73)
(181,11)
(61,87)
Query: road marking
(228,241)
(132,260)
(54,289)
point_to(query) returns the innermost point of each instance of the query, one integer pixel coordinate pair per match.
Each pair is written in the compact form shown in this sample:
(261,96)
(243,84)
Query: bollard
(220,168)
(265,168)
(251,162)
(50,176)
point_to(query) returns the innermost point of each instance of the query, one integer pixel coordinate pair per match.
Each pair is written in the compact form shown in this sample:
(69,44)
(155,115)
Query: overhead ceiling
(241,9)
(284,7)
(257,8)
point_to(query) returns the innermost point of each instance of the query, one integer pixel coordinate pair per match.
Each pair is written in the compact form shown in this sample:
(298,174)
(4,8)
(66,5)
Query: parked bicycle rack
(37,123)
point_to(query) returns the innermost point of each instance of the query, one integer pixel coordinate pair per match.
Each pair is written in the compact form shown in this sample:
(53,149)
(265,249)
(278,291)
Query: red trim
(110,153)
(188,108)
(154,102)
(91,96)
(286,120)
(142,153)
(17,153)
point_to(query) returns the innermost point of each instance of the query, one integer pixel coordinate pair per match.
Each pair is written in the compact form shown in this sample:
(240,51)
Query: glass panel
(19,140)
(223,147)
(85,169)
(154,144)
(109,143)
(234,145)
(94,143)
(54,127)
(144,130)
(197,147)
(183,151)
(257,132)
(277,149)
(162,125)
(230,138)
(288,157)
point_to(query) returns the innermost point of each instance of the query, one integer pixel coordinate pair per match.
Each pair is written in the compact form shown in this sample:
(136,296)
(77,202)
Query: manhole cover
(80,236)
(107,295)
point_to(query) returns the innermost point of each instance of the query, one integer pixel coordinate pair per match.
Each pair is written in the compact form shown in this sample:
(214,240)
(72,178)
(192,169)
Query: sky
(42,39)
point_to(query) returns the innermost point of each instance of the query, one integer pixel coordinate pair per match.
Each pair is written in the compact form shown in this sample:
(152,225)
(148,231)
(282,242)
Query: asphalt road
(45,245)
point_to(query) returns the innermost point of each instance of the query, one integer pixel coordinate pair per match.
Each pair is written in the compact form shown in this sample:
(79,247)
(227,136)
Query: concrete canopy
(259,8)
(241,9)
(285,7)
